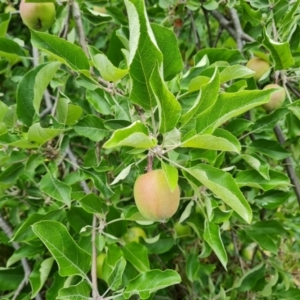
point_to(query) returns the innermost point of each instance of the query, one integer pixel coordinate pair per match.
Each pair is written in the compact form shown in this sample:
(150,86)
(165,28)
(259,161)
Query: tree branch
(77,16)
(238,28)
(289,164)
(208,26)
(226,24)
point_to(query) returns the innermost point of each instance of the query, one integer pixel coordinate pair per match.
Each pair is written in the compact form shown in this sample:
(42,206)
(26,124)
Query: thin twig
(94,258)
(236,251)
(289,164)
(47,96)
(64,32)
(293,89)
(75,166)
(238,28)
(220,30)
(79,25)
(195,32)
(87,190)
(226,24)
(208,27)
(83,44)
(26,267)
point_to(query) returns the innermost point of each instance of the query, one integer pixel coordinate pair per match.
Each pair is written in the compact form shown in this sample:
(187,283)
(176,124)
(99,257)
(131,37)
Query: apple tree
(94,94)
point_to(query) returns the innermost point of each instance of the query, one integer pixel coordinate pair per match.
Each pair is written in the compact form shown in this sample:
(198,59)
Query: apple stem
(150,162)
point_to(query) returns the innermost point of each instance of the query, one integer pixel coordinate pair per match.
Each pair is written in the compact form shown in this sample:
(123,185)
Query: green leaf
(66,52)
(31,88)
(270,120)
(115,278)
(144,54)
(71,259)
(137,255)
(114,253)
(10,49)
(250,278)
(271,227)
(11,278)
(168,106)
(270,148)
(67,113)
(229,105)
(219,54)
(221,140)
(223,186)
(257,164)
(3,110)
(99,102)
(24,232)
(25,251)
(40,135)
(91,127)
(207,97)
(281,53)
(99,180)
(107,70)
(193,267)
(264,240)
(80,291)
(168,45)
(4,22)
(149,282)
(251,15)
(122,175)
(171,174)
(136,135)
(12,173)
(234,72)
(272,199)
(39,275)
(254,179)
(214,240)
(56,189)
(92,204)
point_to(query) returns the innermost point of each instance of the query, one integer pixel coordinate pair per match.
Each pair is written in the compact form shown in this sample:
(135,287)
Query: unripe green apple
(100,260)
(133,234)
(258,65)
(276,99)
(153,196)
(38,16)
(182,230)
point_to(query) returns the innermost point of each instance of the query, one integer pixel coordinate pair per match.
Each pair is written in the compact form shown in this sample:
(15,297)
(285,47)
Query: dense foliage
(117,88)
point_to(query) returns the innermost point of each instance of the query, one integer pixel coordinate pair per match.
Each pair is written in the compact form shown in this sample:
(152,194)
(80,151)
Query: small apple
(153,196)
(182,230)
(258,65)
(100,260)
(38,16)
(276,100)
(133,234)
